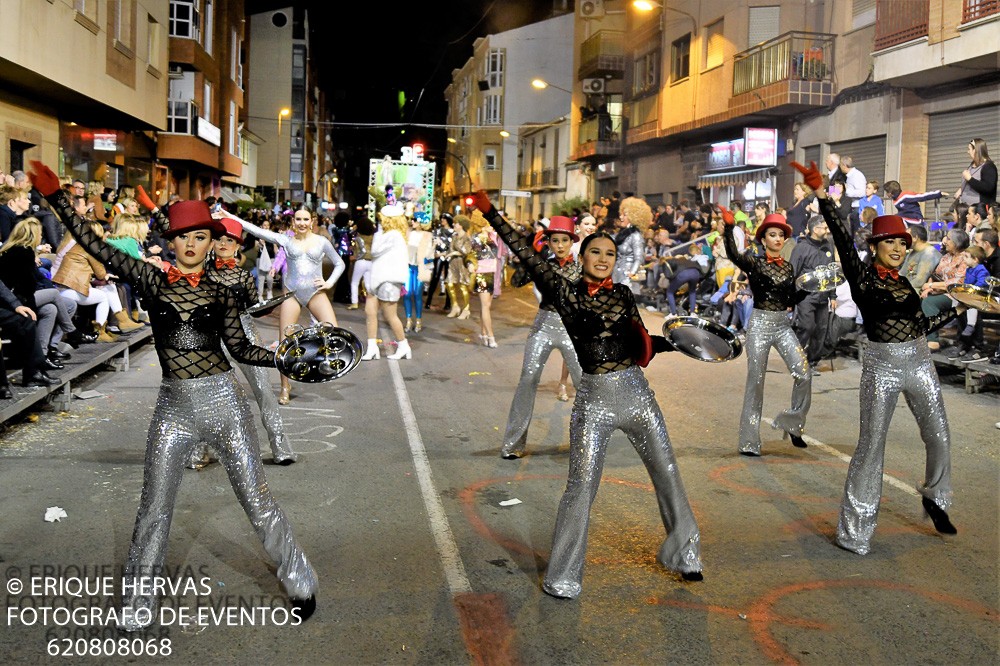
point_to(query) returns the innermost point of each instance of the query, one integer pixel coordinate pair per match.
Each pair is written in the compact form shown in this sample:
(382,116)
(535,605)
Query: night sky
(384,48)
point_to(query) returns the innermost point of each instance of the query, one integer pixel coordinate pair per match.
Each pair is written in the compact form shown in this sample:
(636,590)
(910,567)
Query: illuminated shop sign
(758,147)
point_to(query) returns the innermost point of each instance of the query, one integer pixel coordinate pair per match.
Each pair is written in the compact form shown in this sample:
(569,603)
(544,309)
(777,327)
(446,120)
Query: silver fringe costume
(215,410)
(620,400)
(888,369)
(547,333)
(769,328)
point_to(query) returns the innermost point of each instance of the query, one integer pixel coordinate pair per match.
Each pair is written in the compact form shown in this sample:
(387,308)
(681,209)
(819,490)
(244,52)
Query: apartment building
(83,86)
(288,110)
(200,147)
(491,101)
(717,97)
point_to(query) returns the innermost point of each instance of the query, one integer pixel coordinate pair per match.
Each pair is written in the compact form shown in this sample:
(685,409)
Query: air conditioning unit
(175,72)
(590,9)
(593,86)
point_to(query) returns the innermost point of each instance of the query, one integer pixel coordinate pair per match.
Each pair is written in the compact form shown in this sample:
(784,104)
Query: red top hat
(561,225)
(773,220)
(233,229)
(187,216)
(889,226)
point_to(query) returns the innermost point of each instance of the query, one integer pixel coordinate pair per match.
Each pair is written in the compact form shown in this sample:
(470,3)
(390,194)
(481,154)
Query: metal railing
(900,21)
(791,56)
(605,49)
(973,10)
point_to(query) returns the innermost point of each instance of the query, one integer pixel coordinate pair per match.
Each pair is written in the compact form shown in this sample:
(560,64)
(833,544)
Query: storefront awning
(229,196)
(732,178)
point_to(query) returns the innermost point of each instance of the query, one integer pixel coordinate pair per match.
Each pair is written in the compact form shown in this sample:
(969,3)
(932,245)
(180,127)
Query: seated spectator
(686,272)
(737,303)
(83,280)
(19,271)
(13,204)
(950,270)
(18,323)
(921,260)
(871,199)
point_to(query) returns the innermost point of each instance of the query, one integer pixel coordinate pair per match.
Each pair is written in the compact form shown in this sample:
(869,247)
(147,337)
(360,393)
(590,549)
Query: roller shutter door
(949,135)
(868,154)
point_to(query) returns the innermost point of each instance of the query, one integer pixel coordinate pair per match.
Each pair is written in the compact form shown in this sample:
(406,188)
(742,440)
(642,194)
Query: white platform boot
(402,351)
(372,352)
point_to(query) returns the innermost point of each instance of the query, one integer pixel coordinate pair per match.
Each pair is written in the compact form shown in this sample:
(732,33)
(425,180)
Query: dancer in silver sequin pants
(767,328)
(258,377)
(547,333)
(620,400)
(215,410)
(888,369)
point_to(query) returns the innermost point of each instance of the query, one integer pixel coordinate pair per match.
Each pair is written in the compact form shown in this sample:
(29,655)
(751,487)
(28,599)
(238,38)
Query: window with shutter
(765,24)
(714,44)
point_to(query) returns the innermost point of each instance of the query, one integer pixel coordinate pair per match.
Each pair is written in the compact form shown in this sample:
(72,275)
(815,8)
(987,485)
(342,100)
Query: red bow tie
(594,287)
(776,260)
(173,275)
(565,260)
(884,272)
(225,263)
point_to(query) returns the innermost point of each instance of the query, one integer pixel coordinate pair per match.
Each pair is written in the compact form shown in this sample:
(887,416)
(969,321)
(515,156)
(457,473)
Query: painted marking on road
(829,450)
(762,615)
(454,570)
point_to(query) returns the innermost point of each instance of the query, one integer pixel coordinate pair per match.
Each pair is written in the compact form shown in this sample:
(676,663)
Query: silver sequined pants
(215,410)
(623,401)
(888,369)
(547,333)
(767,329)
(258,377)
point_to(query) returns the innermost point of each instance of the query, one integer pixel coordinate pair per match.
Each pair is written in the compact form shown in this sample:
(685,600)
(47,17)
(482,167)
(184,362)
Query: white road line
(447,549)
(826,448)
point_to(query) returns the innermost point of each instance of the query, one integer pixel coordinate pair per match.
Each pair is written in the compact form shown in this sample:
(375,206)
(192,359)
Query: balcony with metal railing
(603,55)
(910,50)
(598,138)
(973,10)
(900,21)
(793,56)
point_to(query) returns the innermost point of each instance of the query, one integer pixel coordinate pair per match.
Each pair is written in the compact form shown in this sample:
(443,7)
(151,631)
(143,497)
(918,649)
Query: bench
(86,359)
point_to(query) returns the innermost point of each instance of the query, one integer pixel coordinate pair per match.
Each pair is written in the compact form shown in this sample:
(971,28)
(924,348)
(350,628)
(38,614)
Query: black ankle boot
(940,517)
(305,607)
(797,441)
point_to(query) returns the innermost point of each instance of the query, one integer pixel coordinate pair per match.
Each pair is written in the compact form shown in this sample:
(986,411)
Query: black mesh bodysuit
(189,323)
(773,285)
(570,270)
(600,326)
(239,281)
(890,308)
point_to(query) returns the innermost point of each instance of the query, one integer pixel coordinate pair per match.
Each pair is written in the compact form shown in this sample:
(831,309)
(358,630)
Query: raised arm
(254,230)
(546,279)
(118,263)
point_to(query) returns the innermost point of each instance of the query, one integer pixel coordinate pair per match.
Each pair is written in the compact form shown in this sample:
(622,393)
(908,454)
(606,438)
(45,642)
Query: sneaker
(973,356)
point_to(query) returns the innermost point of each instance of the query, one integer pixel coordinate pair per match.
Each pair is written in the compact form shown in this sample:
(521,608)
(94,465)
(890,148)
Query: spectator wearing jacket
(812,313)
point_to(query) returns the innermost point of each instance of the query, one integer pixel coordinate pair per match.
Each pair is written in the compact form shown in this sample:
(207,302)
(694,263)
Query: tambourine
(986,299)
(266,307)
(822,278)
(702,339)
(316,354)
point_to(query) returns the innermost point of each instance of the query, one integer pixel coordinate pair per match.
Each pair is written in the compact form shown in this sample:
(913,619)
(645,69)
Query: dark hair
(892,188)
(592,237)
(989,236)
(365,226)
(980,209)
(918,231)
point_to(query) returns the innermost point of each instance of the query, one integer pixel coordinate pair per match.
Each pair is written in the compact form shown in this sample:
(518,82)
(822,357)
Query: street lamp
(650,5)
(542,84)
(283,113)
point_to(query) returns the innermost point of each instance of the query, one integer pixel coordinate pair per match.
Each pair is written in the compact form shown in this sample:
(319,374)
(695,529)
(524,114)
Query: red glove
(482,201)
(727,217)
(539,242)
(643,352)
(143,199)
(44,180)
(811,176)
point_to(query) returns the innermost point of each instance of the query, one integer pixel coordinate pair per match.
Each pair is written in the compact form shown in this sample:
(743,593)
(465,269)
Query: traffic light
(470,201)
